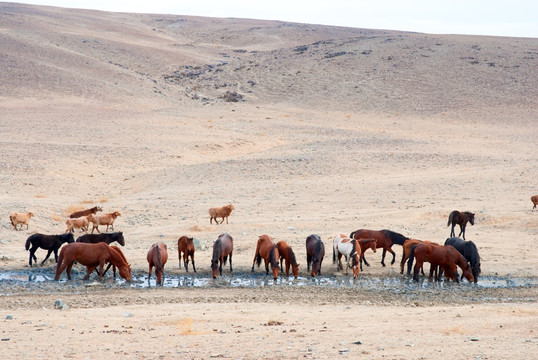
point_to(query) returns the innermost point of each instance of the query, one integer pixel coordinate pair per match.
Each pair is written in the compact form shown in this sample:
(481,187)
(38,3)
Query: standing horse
(460,218)
(222,248)
(351,250)
(185,245)
(266,249)
(288,256)
(384,238)
(315,251)
(445,257)
(408,244)
(366,244)
(102,237)
(534,200)
(157,256)
(48,242)
(470,253)
(92,256)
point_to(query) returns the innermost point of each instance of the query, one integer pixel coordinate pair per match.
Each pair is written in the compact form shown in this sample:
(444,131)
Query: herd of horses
(95,252)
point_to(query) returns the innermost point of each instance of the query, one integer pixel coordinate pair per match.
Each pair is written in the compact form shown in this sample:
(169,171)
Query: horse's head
(125,272)
(373,245)
(69,238)
(295,270)
(470,216)
(120,239)
(214,267)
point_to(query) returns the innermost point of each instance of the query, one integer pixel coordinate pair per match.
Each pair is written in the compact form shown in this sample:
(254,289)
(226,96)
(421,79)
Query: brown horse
(408,244)
(185,246)
(117,250)
(266,249)
(460,218)
(384,239)
(157,256)
(288,256)
(534,200)
(366,244)
(222,248)
(315,251)
(445,257)
(92,256)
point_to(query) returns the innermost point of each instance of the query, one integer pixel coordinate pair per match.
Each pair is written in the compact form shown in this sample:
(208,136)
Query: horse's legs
(281,267)
(266,266)
(308,261)
(393,256)
(452,233)
(32,251)
(194,267)
(89,270)
(418,265)
(231,262)
(68,270)
(46,257)
(179,257)
(383,257)
(220,267)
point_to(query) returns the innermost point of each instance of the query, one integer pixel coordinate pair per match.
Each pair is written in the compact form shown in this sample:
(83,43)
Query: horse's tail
(351,235)
(411,259)
(28,242)
(225,260)
(450,217)
(258,259)
(334,255)
(159,265)
(272,257)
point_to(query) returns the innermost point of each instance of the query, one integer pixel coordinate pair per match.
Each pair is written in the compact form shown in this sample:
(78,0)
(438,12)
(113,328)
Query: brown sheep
(82,223)
(222,212)
(17,218)
(105,219)
(534,200)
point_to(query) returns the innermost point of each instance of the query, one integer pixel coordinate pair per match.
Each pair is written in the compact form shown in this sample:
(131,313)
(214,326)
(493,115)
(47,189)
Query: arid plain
(334,129)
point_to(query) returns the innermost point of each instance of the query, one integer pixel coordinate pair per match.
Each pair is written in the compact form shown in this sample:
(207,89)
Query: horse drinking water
(288,256)
(470,253)
(157,256)
(315,251)
(460,218)
(342,245)
(222,248)
(266,249)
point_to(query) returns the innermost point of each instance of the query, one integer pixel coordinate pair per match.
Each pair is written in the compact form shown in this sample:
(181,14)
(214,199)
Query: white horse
(342,245)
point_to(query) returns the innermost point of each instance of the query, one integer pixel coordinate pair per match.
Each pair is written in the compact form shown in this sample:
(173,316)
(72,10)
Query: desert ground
(306,129)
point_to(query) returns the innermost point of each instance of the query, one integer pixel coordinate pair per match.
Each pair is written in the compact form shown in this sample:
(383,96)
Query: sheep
(82,223)
(222,212)
(105,219)
(17,218)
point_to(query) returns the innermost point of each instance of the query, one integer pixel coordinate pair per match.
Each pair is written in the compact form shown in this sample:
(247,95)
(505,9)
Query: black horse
(460,218)
(47,242)
(315,251)
(470,253)
(107,238)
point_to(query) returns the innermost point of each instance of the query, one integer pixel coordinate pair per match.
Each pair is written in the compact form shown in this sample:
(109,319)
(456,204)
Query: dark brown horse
(384,239)
(185,246)
(315,251)
(288,257)
(92,256)
(470,253)
(86,212)
(268,251)
(222,249)
(102,237)
(534,200)
(408,244)
(157,257)
(51,243)
(447,258)
(460,218)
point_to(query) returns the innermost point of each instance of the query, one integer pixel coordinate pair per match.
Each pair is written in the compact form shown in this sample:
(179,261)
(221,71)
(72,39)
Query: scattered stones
(232,96)
(126,314)
(9,317)
(60,305)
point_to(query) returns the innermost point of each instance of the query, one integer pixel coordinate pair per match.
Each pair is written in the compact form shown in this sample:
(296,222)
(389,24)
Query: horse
(315,251)
(366,244)
(157,256)
(288,256)
(266,249)
(222,249)
(107,238)
(48,242)
(470,253)
(534,200)
(445,257)
(384,239)
(460,218)
(408,244)
(351,250)
(185,245)
(92,256)
(116,249)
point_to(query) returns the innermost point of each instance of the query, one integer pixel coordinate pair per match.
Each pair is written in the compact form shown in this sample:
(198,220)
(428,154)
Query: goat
(222,212)
(17,218)
(105,219)
(82,223)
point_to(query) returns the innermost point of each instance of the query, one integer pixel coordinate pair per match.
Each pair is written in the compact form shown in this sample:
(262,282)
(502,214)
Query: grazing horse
(470,253)
(288,256)
(222,248)
(460,218)
(384,238)
(315,251)
(48,242)
(185,245)
(157,256)
(445,257)
(92,256)
(534,200)
(107,238)
(116,249)
(342,245)
(266,249)
(408,244)
(366,244)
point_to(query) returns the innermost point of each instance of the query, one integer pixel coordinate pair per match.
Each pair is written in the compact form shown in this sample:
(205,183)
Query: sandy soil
(338,129)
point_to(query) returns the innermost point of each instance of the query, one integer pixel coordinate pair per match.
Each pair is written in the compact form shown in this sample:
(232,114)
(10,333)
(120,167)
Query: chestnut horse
(342,245)
(460,218)
(222,248)
(408,244)
(157,256)
(534,200)
(366,244)
(445,257)
(384,238)
(92,256)
(470,253)
(266,249)
(185,245)
(288,256)
(315,251)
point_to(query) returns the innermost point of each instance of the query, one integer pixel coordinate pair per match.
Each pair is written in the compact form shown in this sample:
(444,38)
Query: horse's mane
(292,256)
(395,237)
(272,257)
(217,249)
